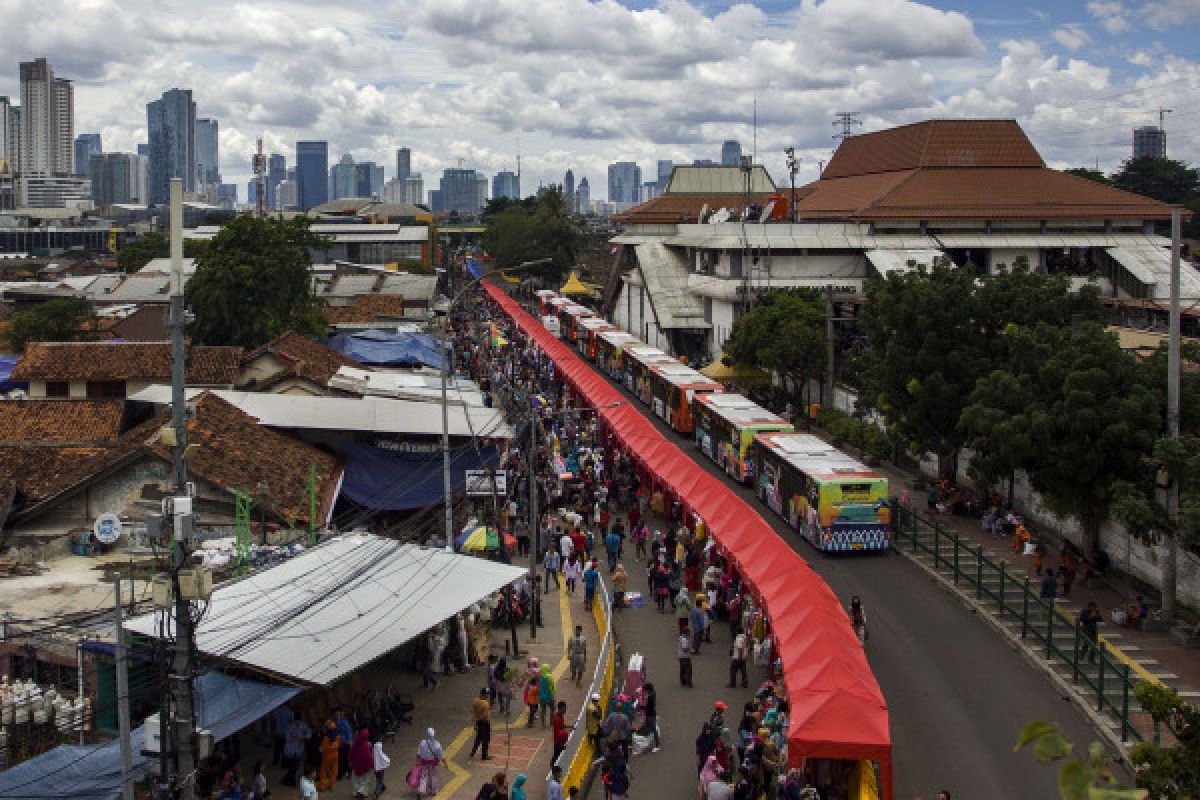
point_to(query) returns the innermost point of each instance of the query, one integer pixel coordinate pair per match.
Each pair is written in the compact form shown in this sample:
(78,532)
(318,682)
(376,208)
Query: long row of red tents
(837,708)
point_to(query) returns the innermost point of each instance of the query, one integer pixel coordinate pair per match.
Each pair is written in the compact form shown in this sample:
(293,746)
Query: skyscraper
(276,174)
(117,178)
(10,133)
(404,166)
(731,153)
(208,170)
(505,185)
(1149,141)
(664,174)
(624,182)
(368,180)
(312,173)
(569,189)
(85,145)
(414,189)
(171,127)
(345,178)
(583,197)
(47,137)
(460,191)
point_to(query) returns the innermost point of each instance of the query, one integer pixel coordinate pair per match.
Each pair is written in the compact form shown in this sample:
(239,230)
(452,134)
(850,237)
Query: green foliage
(783,333)
(1169,773)
(1160,178)
(994,424)
(1089,173)
(1087,778)
(532,229)
(139,252)
(252,283)
(61,320)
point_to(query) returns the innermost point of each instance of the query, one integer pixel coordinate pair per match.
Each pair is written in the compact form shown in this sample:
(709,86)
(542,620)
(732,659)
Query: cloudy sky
(582,83)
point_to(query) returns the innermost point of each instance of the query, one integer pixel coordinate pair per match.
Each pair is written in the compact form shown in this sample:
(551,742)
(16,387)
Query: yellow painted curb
(1116,651)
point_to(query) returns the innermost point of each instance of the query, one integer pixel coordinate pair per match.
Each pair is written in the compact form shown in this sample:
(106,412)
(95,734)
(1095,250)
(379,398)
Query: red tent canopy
(837,708)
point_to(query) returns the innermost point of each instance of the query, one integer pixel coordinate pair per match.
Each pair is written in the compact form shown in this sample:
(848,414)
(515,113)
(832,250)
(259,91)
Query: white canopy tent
(338,606)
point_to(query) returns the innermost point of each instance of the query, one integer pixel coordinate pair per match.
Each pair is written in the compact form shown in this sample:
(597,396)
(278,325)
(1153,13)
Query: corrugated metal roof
(339,606)
(1152,266)
(717,179)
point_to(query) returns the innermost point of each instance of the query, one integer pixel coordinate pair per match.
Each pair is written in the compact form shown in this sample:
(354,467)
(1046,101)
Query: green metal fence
(1104,676)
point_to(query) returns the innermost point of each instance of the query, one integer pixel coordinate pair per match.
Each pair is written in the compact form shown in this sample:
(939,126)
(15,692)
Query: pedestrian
(684,651)
(295,740)
(551,563)
(330,747)
(618,731)
(504,687)
(699,622)
(546,692)
(620,581)
(659,581)
(571,572)
(518,787)
(639,533)
(429,754)
(682,602)
(612,545)
(591,577)
(531,700)
(594,718)
(650,711)
(1049,588)
(308,785)
(345,739)
(858,619)
(380,763)
(481,713)
(1089,624)
(617,780)
(362,763)
(739,652)
(577,654)
(258,784)
(281,720)
(554,787)
(495,789)
(560,730)
(720,788)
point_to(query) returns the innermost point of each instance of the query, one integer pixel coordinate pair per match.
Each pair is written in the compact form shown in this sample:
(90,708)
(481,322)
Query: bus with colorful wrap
(636,363)
(835,502)
(726,424)
(672,388)
(588,328)
(610,346)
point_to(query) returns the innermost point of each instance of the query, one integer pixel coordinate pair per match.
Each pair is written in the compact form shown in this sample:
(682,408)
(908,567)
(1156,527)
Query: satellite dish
(703,211)
(107,528)
(766,213)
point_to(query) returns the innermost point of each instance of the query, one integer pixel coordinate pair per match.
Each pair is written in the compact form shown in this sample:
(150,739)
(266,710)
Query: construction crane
(259,163)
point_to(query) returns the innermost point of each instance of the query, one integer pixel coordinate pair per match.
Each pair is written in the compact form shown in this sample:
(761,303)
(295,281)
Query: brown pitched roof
(147,324)
(959,169)
(366,308)
(675,209)
(60,422)
(78,361)
(308,359)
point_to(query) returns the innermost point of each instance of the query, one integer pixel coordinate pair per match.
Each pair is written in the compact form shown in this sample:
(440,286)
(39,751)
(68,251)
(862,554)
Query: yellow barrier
(585,753)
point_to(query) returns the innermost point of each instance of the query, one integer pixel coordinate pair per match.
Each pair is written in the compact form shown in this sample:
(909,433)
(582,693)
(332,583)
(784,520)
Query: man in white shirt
(554,787)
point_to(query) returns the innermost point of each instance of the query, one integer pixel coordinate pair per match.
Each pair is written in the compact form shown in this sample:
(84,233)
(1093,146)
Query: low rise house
(292,364)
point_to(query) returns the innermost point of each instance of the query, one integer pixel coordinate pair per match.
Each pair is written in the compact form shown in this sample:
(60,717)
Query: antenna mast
(260,180)
(846,120)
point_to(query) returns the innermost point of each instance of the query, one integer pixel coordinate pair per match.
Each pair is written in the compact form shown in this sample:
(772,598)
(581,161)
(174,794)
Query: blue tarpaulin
(7,362)
(93,772)
(385,348)
(388,480)
(474,269)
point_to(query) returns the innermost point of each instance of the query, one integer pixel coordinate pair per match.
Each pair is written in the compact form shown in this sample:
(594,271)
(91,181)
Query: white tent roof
(888,261)
(339,606)
(1152,267)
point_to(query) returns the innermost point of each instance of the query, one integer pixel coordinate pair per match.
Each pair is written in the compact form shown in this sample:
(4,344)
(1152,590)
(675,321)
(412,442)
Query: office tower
(569,189)
(731,153)
(85,145)
(208,170)
(1149,142)
(252,193)
(435,200)
(414,189)
(705,162)
(171,128)
(481,191)
(505,185)
(368,179)
(664,174)
(312,173)
(117,178)
(10,133)
(287,195)
(47,135)
(460,191)
(624,181)
(583,197)
(392,191)
(276,174)
(143,150)
(344,178)
(404,166)
(227,196)
(649,191)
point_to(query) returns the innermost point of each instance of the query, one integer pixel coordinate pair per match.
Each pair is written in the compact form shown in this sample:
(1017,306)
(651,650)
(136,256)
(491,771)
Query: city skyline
(630,83)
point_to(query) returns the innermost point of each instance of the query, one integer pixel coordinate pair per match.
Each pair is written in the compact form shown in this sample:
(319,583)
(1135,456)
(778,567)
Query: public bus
(569,315)
(672,387)
(610,345)
(835,502)
(544,296)
(725,428)
(636,362)
(588,328)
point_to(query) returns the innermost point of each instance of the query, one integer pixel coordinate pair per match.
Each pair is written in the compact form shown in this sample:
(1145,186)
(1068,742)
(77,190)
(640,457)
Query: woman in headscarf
(705,743)
(546,691)
(707,775)
(620,582)
(518,788)
(362,763)
(429,755)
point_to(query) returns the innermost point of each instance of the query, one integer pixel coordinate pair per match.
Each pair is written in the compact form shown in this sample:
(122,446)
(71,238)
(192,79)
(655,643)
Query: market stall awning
(337,607)
(574,286)
(394,480)
(738,373)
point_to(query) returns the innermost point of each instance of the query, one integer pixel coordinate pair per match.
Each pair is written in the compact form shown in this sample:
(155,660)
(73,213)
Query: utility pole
(827,395)
(123,697)
(1170,561)
(182,664)
(447,488)
(535,528)
(791,167)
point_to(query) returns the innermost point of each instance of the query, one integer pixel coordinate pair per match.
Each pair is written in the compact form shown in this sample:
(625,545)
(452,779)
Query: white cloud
(1164,14)
(1112,14)
(1072,37)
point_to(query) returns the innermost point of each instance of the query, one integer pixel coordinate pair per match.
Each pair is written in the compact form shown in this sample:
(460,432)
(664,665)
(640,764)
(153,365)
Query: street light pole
(1171,557)
(535,528)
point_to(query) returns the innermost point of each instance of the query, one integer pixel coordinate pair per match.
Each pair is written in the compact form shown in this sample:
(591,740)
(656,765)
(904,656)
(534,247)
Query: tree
(783,333)
(1087,778)
(252,283)
(1089,173)
(1169,773)
(139,252)
(62,320)
(532,229)
(1163,179)
(993,423)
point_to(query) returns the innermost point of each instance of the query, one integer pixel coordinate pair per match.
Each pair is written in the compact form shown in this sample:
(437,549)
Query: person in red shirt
(561,731)
(579,541)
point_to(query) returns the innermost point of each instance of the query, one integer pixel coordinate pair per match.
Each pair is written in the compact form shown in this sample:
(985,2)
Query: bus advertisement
(672,387)
(569,316)
(725,429)
(636,361)
(610,345)
(588,328)
(835,502)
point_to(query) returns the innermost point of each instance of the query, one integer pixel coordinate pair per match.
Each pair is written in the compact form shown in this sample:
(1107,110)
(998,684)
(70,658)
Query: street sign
(479,482)
(107,528)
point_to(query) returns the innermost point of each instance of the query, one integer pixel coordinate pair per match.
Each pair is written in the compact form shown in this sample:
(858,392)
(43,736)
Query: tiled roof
(78,361)
(367,308)
(935,143)
(676,209)
(308,359)
(60,422)
(39,471)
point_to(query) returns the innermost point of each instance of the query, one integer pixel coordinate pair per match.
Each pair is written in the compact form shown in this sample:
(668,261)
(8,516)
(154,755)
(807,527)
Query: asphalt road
(957,692)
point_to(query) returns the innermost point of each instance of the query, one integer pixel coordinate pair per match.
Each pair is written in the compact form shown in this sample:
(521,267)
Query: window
(735,264)
(102,389)
(58,389)
(708,309)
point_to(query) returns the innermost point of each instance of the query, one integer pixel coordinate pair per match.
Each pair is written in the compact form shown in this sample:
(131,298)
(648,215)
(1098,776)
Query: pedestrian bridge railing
(1102,671)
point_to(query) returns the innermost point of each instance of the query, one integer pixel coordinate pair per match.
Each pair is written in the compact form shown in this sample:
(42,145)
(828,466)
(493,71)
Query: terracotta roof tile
(308,359)
(935,143)
(675,209)
(64,361)
(366,308)
(60,422)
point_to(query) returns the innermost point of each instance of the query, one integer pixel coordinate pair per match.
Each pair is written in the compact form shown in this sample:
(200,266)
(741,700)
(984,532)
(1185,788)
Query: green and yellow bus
(725,428)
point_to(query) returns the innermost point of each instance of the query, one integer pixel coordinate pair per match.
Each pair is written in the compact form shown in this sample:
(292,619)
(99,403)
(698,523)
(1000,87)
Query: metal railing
(579,752)
(1104,673)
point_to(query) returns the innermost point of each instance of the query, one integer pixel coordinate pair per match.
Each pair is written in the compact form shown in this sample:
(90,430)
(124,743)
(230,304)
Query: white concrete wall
(632,313)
